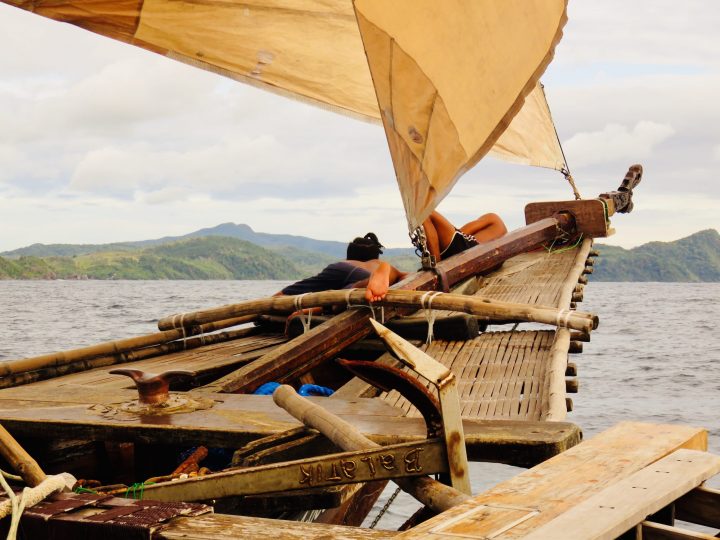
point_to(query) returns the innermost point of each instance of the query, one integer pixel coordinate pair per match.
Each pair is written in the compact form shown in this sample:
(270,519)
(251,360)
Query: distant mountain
(695,258)
(194,258)
(231,251)
(332,249)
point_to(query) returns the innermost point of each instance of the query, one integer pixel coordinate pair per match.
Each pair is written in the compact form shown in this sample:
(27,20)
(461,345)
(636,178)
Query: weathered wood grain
(548,490)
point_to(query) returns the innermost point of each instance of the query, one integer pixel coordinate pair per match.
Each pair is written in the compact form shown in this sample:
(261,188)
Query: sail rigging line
(566,169)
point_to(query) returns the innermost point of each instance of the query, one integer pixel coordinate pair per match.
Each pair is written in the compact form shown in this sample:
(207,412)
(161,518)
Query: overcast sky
(103,142)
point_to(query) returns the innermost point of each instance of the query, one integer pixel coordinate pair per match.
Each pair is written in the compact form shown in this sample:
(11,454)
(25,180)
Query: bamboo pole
(19,459)
(474,305)
(52,371)
(114,349)
(555,408)
(431,493)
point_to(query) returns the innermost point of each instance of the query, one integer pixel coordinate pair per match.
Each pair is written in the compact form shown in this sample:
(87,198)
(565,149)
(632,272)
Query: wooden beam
(234,420)
(658,531)
(701,506)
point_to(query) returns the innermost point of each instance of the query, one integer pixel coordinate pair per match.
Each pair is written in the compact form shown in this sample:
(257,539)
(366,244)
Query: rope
(562,318)
(297,301)
(134,488)
(571,181)
(30,497)
(552,251)
(385,508)
(566,169)
(348,305)
(13,477)
(430,315)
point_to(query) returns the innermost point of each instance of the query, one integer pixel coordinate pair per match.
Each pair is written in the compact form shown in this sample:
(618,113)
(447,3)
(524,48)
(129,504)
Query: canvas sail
(471,52)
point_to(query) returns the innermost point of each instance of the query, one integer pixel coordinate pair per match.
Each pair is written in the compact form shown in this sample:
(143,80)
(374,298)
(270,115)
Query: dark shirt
(339,275)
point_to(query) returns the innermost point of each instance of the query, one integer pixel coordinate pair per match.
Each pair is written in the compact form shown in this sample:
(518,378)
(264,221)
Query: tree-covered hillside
(695,258)
(199,258)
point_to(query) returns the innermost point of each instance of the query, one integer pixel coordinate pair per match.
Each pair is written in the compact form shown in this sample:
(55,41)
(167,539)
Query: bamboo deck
(518,374)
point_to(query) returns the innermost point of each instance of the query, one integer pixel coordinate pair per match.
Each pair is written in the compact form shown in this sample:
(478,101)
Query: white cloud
(617,142)
(102,141)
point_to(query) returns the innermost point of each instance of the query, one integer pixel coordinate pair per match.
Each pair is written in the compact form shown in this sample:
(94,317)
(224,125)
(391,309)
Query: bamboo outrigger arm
(474,305)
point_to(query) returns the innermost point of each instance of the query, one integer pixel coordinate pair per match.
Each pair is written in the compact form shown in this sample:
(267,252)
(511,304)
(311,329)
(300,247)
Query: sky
(104,142)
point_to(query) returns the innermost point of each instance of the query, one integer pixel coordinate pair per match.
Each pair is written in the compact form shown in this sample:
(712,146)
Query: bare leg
(485,228)
(439,232)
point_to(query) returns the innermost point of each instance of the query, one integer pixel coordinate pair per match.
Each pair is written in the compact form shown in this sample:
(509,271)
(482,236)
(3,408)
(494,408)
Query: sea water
(655,356)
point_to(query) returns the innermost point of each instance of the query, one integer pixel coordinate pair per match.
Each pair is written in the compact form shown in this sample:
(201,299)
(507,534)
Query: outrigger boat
(422,386)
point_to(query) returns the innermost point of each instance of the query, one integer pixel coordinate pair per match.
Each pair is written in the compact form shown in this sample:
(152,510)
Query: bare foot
(378,283)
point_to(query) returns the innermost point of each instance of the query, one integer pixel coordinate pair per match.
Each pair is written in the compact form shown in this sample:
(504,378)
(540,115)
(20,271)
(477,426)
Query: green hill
(198,258)
(327,250)
(695,259)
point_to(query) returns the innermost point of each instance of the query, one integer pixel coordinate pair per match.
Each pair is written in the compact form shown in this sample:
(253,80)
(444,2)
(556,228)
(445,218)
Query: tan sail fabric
(480,56)
(449,78)
(530,139)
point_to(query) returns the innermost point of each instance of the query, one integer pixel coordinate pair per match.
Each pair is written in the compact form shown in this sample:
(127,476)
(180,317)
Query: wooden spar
(102,352)
(481,258)
(314,347)
(474,305)
(19,459)
(431,493)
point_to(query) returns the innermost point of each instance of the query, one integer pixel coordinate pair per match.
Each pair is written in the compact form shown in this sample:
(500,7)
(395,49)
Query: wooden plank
(224,527)
(236,419)
(658,531)
(701,506)
(620,507)
(566,480)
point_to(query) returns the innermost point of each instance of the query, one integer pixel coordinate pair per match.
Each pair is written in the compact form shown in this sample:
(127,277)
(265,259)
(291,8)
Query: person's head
(366,248)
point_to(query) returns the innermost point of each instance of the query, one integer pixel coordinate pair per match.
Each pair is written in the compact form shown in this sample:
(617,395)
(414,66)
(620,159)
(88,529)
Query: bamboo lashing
(430,492)
(114,348)
(474,305)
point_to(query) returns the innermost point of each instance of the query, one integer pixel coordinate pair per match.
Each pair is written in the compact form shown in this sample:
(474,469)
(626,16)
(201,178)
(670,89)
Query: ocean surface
(655,356)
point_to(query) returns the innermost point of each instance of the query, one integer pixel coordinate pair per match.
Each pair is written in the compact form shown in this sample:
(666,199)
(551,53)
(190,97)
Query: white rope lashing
(30,497)
(349,305)
(298,307)
(429,313)
(563,317)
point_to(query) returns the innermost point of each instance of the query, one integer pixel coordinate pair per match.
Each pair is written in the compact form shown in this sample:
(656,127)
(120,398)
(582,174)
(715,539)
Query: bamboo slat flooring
(498,374)
(538,278)
(505,374)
